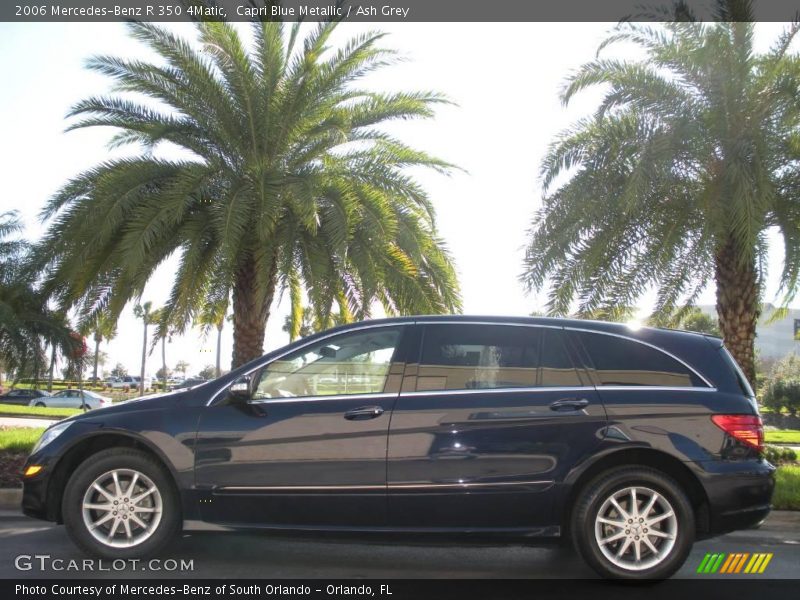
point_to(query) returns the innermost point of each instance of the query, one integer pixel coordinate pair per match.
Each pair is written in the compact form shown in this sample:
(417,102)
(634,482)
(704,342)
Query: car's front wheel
(121,503)
(633,523)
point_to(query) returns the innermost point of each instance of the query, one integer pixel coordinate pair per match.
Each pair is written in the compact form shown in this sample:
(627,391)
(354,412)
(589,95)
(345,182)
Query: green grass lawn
(782,436)
(37,411)
(787,488)
(19,439)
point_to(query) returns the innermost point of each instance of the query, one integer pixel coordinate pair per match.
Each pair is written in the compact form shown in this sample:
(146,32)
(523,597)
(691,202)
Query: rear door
(489,421)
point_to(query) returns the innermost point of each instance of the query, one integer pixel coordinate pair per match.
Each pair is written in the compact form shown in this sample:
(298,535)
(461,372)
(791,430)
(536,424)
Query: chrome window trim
(657,388)
(309,343)
(526,390)
(366,396)
(506,390)
(710,387)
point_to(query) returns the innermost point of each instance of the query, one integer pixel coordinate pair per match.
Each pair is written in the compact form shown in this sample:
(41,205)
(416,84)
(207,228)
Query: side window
(467,357)
(351,363)
(557,369)
(618,361)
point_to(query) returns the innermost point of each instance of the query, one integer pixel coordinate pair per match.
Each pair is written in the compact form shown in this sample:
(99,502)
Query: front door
(309,448)
(487,425)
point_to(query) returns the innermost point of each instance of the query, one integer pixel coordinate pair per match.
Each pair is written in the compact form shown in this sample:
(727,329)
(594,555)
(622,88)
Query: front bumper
(33,499)
(37,491)
(739,492)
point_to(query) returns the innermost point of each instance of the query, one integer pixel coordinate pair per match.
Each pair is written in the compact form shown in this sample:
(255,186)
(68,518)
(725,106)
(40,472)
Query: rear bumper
(739,492)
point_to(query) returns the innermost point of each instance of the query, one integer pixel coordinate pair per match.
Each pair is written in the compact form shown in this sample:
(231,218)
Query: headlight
(49,435)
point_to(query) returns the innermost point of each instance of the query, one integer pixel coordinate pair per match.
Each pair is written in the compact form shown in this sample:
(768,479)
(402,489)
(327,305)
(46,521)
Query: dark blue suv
(633,443)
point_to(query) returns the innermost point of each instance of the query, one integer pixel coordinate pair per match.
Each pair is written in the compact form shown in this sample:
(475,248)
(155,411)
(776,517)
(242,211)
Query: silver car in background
(71,398)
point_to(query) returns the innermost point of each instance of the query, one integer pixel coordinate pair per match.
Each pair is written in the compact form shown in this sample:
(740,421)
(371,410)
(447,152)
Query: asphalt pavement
(267,555)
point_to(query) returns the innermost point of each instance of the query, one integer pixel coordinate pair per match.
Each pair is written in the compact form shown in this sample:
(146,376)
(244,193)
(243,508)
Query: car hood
(152,402)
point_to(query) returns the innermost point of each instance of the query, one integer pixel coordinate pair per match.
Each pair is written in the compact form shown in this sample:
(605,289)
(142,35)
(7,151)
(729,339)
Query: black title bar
(404,589)
(395,10)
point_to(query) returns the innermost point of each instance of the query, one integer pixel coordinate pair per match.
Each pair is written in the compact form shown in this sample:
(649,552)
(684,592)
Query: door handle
(363,413)
(566,404)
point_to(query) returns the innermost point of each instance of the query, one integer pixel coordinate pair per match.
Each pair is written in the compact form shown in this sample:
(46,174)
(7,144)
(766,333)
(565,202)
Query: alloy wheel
(636,528)
(122,508)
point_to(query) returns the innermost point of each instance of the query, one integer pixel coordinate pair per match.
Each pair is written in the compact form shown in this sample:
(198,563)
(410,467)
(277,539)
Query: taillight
(746,428)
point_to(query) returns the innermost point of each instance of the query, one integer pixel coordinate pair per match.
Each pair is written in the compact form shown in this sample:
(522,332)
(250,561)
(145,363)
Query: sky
(504,79)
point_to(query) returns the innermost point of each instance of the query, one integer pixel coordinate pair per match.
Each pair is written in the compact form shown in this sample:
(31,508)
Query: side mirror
(327,352)
(240,389)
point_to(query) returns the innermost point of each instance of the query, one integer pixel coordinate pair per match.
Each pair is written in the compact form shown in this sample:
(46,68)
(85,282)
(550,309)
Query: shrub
(777,455)
(782,387)
(783,393)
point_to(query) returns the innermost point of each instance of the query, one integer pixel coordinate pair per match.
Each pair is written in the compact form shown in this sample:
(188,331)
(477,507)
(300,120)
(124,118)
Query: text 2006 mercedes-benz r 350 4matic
(632,443)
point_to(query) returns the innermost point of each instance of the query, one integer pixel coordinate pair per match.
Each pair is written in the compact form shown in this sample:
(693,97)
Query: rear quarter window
(620,361)
(741,380)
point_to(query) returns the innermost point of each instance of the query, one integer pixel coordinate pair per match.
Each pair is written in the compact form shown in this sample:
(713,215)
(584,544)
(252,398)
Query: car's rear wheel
(633,523)
(121,503)
(42,404)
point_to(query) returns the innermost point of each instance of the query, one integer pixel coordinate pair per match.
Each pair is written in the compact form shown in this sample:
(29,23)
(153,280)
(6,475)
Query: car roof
(625,329)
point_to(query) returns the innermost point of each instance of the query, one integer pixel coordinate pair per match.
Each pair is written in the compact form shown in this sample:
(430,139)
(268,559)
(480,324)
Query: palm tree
(290,184)
(54,350)
(158,316)
(692,155)
(299,328)
(27,324)
(146,314)
(101,328)
(181,367)
(214,315)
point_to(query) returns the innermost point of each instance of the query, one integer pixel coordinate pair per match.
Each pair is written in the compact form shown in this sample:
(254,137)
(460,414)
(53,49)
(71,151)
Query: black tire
(41,404)
(103,462)
(591,499)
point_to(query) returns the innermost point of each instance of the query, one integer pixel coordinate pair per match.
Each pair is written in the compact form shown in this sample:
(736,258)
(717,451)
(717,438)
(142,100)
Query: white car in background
(129,383)
(71,398)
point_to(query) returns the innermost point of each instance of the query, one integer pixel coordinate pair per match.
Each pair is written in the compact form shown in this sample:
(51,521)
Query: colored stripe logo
(736,562)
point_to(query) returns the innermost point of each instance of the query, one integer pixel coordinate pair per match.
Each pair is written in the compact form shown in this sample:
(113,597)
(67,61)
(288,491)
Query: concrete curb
(39,417)
(10,498)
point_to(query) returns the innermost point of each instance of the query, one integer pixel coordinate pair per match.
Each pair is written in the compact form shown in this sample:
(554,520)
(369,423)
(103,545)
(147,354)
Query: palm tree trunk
(738,306)
(97,339)
(52,368)
(144,358)
(250,312)
(164,363)
(217,369)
